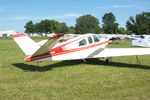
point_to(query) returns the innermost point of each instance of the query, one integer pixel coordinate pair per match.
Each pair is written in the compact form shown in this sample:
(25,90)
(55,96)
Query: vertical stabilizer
(27,45)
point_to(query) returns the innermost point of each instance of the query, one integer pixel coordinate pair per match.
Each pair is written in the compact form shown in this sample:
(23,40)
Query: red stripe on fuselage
(64,52)
(56,50)
(59,48)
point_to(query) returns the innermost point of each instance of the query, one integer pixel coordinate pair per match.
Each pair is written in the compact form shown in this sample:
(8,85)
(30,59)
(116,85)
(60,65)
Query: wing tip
(18,35)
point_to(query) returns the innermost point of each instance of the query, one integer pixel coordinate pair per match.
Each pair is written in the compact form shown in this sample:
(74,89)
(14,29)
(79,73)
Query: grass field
(123,79)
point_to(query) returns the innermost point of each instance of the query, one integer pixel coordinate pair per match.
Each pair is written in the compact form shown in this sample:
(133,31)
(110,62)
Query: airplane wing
(40,43)
(46,46)
(112,52)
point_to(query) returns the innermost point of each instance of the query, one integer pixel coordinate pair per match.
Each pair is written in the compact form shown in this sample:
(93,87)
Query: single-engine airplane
(76,47)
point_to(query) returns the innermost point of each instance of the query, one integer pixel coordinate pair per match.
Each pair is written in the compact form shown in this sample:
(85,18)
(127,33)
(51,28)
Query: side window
(82,42)
(100,36)
(95,38)
(90,40)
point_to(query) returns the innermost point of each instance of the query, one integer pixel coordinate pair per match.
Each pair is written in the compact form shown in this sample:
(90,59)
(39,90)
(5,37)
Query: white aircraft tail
(27,45)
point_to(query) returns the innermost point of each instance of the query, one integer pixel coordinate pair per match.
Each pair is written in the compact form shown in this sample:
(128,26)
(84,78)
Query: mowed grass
(123,79)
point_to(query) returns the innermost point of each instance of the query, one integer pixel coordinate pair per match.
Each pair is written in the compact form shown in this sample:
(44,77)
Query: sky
(14,14)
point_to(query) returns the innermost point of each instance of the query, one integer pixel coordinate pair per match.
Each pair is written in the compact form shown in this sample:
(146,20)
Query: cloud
(15,18)
(5,8)
(133,6)
(40,18)
(2,10)
(66,16)
(72,15)
(116,6)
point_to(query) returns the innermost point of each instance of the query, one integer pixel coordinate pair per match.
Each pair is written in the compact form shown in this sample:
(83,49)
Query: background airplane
(141,41)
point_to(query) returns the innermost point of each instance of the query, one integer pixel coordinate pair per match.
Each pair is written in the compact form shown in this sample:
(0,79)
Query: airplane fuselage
(80,47)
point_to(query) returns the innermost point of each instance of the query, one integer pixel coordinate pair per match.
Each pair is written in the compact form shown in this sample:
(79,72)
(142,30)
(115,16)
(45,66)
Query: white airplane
(141,41)
(77,47)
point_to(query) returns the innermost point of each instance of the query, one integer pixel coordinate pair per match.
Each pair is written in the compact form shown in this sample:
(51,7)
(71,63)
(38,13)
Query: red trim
(64,52)
(18,35)
(59,48)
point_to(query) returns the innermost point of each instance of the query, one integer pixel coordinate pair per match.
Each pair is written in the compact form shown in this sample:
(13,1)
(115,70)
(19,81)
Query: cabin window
(96,39)
(82,42)
(90,40)
(142,37)
(101,36)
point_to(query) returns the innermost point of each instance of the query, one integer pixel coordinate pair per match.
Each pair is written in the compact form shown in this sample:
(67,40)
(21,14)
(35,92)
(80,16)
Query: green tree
(87,24)
(49,26)
(46,26)
(72,29)
(54,26)
(30,27)
(140,24)
(62,28)
(121,30)
(109,23)
(37,28)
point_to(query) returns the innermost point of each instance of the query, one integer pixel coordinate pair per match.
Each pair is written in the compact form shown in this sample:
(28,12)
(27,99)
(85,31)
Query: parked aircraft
(76,47)
(141,41)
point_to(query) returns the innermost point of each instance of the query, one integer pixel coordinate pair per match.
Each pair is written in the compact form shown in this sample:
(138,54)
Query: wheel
(108,60)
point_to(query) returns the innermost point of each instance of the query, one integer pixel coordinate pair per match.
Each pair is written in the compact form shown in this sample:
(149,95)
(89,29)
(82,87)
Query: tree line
(140,24)
(46,26)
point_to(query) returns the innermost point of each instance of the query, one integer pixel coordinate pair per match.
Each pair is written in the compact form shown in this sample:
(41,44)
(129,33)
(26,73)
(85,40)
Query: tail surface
(27,45)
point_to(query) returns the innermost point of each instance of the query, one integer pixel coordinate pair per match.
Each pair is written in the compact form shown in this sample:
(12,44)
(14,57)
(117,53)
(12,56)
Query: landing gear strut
(108,60)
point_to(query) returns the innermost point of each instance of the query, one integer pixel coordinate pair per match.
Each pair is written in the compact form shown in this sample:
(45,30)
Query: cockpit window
(82,42)
(96,39)
(142,37)
(90,40)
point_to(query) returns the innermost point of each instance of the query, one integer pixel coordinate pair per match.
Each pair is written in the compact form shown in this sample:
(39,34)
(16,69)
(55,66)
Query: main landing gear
(108,60)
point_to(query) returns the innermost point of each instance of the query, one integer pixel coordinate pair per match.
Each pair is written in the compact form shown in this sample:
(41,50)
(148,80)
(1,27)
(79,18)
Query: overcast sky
(15,13)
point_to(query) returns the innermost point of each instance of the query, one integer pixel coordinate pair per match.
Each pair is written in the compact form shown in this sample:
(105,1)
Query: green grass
(123,79)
